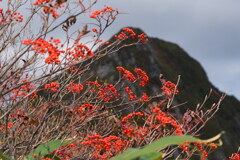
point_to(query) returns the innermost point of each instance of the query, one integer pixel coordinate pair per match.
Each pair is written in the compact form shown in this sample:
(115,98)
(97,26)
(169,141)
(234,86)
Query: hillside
(159,56)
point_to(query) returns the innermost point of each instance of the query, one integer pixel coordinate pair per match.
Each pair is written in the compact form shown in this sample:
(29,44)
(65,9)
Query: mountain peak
(167,58)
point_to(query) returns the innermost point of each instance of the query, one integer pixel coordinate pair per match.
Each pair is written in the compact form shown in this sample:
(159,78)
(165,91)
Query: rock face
(158,56)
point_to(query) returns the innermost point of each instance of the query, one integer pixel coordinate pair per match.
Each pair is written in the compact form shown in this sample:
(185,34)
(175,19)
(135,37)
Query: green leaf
(47,148)
(152,156)
(126,153)
(162,143)
(52,157)
(3,157)
(169,141)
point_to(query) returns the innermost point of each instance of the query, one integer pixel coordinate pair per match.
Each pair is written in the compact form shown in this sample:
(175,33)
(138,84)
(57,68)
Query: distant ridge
(159,56)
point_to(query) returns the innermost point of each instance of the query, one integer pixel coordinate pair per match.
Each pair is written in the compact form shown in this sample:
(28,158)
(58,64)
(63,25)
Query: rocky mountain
(162,57)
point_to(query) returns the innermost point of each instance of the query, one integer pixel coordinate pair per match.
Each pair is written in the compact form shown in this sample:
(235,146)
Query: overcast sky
(209,30)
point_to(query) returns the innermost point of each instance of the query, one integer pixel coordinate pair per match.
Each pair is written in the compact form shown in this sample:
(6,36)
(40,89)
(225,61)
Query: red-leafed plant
(47,94)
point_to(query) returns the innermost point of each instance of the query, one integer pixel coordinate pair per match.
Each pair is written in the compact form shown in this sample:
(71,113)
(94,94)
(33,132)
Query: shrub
(47,94)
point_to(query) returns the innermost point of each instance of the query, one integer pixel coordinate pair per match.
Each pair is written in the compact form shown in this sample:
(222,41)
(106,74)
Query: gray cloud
(207,29)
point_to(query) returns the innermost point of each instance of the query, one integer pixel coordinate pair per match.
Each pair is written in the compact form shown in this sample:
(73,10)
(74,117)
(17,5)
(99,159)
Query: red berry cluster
(129,33)
(4,128)
(132,96)
(79,52)
(126,33)
(95,83)
(38,2)
(124,119)
(169,89)
(130,93)
(109,11)
(145,97)
(75,88)
(235,156)
(63,152)
(131,130)
(165,119)
(23,90)
(86,109)
(142,38)
(107,93)
(51,47)
(51,9)
(104,148)
(53,86)
(9,16)
(142,77)
(200,147)
(127,74)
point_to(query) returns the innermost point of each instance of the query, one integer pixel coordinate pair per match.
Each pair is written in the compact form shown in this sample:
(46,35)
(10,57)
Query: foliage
(47,148)
(149,152)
